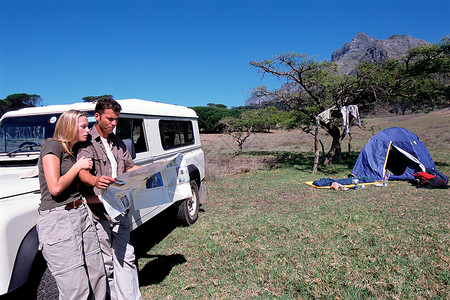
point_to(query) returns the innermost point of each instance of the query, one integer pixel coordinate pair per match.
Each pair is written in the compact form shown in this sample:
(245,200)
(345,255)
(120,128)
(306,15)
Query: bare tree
(319,87)
(239,129)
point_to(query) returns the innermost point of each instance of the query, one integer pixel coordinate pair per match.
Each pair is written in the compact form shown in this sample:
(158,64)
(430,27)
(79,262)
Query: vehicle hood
(18,180)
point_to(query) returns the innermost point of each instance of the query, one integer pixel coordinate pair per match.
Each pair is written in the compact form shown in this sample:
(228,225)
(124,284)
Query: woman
(67,236)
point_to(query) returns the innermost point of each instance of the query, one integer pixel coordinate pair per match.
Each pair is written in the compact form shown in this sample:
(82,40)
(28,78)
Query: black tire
(47,289)
(188,208)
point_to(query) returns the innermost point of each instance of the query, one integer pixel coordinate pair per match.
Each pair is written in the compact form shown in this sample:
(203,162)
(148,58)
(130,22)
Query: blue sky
(184,52)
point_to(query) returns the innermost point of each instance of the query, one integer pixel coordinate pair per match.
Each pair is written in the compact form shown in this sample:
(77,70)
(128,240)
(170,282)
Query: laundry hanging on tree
(346,112)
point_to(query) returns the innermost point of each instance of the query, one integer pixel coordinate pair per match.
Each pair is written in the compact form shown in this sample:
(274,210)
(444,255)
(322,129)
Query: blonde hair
(66,128)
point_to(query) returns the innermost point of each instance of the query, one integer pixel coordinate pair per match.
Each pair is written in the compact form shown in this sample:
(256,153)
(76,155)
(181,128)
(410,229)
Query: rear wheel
(47,288)
(188,208)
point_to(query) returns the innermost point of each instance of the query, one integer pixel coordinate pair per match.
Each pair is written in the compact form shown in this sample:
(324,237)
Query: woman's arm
(56,183)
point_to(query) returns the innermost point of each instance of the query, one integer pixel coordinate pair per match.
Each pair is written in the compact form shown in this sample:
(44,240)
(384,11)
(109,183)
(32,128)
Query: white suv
(152,131)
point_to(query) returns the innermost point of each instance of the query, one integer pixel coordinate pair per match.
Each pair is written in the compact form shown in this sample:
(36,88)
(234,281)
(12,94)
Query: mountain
(286,88)
(362,48)
(367,48)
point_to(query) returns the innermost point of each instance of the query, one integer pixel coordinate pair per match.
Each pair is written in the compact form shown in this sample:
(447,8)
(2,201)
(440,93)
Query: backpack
(437,174)
(429,181)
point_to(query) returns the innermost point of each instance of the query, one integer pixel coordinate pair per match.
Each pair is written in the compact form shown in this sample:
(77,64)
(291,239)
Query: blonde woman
(67,236)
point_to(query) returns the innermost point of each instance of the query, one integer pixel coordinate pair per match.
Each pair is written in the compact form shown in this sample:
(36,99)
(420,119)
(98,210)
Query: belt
(74,204)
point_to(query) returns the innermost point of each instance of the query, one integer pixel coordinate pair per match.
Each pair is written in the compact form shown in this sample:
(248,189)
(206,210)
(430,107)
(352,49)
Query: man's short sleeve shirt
(94,148)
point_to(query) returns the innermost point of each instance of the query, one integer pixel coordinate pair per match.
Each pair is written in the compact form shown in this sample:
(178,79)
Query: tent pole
(386,159)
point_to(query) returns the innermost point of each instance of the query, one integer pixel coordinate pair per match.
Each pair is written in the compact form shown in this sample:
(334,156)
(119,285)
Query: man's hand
(135,167)
(103,182)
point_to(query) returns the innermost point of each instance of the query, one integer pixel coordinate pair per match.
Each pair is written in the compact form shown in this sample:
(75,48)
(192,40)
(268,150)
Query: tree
(239,129)
(216,105)
(319,87)
(95,98)
(255,120)
(209,117)
(418,81)
(21,100)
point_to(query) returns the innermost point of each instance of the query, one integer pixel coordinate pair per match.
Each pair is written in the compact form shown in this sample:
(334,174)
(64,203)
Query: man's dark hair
(107,103)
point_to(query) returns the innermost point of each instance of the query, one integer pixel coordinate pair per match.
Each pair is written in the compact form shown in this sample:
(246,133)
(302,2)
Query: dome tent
(395,149)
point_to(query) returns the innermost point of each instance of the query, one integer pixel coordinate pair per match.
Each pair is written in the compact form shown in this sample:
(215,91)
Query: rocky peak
(367,48)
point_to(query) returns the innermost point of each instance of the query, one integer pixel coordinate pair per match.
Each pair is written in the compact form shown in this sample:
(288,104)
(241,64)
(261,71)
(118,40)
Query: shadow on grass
(441,164)
(149,234)
(304,161)
(145,237)
(158,268)
(153,231)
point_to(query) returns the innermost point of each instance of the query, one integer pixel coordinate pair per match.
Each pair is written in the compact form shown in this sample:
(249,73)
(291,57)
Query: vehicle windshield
(26,134)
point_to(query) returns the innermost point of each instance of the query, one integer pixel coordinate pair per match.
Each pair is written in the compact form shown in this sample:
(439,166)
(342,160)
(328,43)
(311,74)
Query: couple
(87,252)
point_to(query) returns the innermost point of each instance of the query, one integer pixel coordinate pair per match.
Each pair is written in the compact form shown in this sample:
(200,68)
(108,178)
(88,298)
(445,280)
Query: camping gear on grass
(324,182)
(429,181)
(438,174)
(395,150)
(340,184)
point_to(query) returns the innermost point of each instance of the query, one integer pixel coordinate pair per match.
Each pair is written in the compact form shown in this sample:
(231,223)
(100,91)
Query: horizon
(185,53)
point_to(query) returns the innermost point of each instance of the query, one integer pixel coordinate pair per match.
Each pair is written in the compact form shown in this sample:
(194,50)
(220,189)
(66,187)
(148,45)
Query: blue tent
(395,149)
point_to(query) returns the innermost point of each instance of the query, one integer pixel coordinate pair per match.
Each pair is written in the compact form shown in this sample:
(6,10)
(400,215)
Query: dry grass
(431,128)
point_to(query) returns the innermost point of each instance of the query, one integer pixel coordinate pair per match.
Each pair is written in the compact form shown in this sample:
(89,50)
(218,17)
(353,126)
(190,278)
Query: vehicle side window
(130,128)
(175,133)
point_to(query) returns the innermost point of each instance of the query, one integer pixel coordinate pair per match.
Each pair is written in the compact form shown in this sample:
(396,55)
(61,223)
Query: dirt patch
(225,165)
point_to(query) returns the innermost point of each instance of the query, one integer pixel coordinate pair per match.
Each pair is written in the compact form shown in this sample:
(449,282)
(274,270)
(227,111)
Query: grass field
(264,234)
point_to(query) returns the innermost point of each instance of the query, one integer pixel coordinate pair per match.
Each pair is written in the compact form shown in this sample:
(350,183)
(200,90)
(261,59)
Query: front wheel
(188,208)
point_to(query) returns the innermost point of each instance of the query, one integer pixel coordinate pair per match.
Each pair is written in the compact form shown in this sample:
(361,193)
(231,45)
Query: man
(111,159)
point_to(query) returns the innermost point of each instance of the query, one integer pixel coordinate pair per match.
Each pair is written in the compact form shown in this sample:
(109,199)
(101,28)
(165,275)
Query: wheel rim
(192,204)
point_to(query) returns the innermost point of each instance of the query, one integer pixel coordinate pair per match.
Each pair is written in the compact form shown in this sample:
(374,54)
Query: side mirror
(130,146)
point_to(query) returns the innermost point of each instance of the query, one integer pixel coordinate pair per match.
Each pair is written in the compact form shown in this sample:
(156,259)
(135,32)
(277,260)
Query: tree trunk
(404,110)
(316,146)
(323,150)
(349,143)
(240,138)
(335,151)
(239,150)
